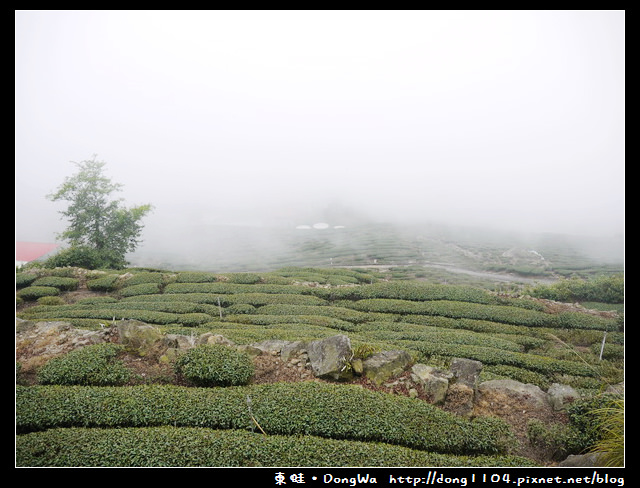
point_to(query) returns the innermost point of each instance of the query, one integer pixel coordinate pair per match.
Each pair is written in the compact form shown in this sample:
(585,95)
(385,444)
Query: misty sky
(503,118)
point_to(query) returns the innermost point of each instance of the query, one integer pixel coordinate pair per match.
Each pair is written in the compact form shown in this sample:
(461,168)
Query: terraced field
(306,422)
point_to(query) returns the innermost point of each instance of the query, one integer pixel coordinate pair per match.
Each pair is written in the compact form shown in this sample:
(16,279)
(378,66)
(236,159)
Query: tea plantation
(87,422)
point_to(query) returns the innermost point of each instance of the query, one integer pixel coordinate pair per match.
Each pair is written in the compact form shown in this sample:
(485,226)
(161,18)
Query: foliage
(144,277)
(605,289)
(35,292)
(25,279)
(61,283)
(105,283)
(141,289)
(215,365)
(86,257)
(610,420)
(292,409)
(596,425)
(101,231)
(170,446)
(51,301)
(95,365)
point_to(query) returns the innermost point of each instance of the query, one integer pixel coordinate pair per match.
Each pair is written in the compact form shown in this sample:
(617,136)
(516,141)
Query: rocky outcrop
(456,388)
(45,340)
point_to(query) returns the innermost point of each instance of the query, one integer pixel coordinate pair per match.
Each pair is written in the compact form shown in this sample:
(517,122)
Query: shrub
(35,292)
(201,447)
(105,283)
(291,409)
(50,301)
(196,277)
(215,365)
(61,283)
(95,365)
(140,289)
(144,277)
(24,279)
(85,257)
(243,278)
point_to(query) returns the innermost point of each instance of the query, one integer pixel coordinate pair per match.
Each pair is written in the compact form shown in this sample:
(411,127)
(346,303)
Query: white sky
(508,118)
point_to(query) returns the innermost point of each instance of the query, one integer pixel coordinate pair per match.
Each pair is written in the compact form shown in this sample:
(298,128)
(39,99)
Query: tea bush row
(346,314)
(201,447)
(59,282)
(388,331)
(300,409)
(270,320)
(116,313)
(494,313)
(492,356)
(224,288)
(105,283)
(24,279)
(31,293)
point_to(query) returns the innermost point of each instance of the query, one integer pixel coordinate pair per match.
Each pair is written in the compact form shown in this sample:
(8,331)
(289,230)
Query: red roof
(30,251)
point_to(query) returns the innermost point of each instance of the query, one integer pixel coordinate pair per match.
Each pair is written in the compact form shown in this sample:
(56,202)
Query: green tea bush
(224,288)
(415,291)
(293,409)
(24,279)
(242,278)
(240,308)
(269,320)
(64,312)
(105,283)
(103,300)
(215,365)
(59,282)
(95,365)
(34,292)
(341,313)
(140,289)
(196,277)
(200,447)
(143,278)
(51,301)
(260,299)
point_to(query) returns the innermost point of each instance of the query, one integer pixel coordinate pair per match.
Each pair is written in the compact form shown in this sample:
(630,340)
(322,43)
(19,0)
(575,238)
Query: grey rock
(384,365)
(527,392)
(330,357)
(561,396)
(466,371)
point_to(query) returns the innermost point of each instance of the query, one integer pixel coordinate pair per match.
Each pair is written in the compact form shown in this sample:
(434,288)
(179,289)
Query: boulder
(434,381)
(561,396)
(526,393)
(466,371)
(592,460)
(292,349)
(330,357)
(384,365)
(272,346)
(211,338)
(139,337)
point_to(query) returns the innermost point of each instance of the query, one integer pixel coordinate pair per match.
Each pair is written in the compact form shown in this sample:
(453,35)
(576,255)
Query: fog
(498,119)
